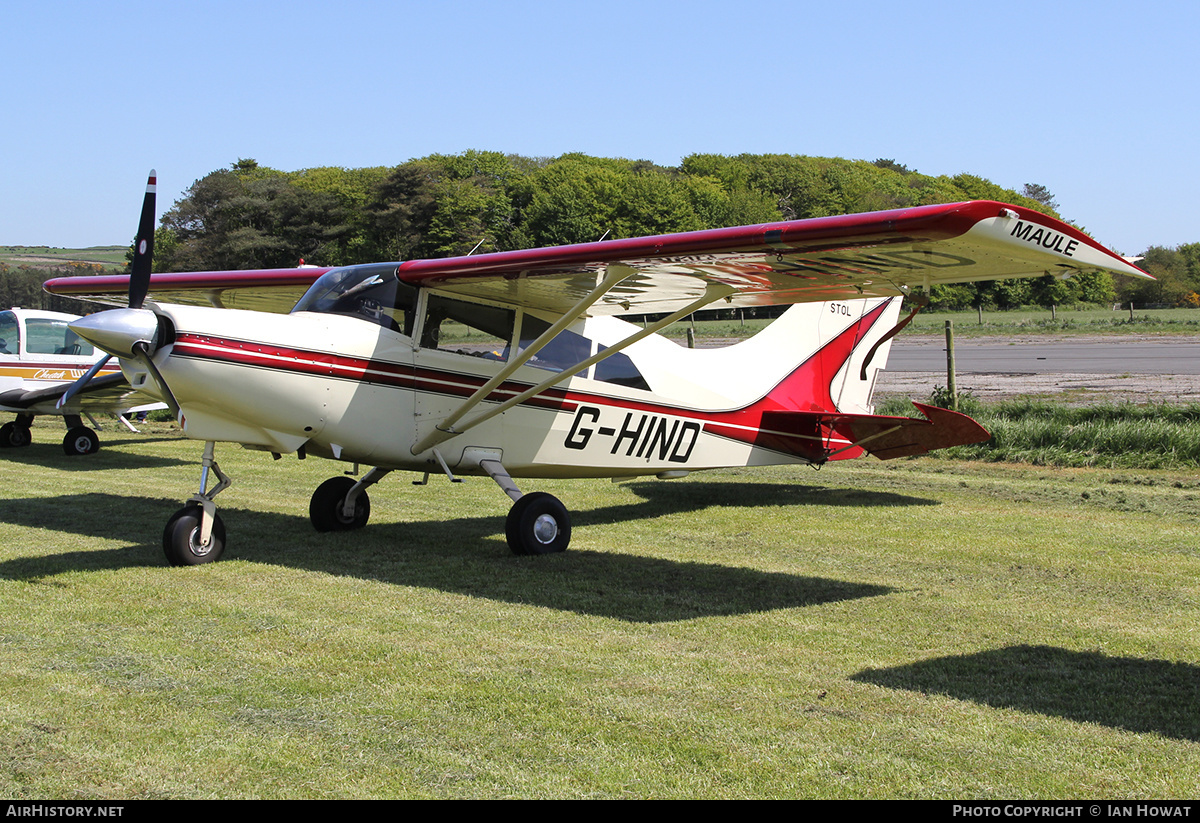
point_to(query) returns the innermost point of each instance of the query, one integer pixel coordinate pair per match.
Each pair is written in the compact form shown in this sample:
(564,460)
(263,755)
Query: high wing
(270,290)
(819,259)
(875,254)
(110,394)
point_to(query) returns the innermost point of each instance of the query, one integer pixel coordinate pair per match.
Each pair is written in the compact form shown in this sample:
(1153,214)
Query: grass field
(918,628)
(1069,321)
(52,256)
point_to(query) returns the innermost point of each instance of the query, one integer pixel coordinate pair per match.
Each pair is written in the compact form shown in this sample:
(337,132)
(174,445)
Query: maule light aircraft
(39,357)
(518,365)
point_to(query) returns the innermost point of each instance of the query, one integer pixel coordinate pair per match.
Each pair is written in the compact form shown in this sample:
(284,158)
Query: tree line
(252,216)
(441,205)
(21,287)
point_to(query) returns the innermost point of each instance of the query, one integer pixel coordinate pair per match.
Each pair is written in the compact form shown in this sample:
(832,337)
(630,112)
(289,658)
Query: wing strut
(614,275)
(444,430)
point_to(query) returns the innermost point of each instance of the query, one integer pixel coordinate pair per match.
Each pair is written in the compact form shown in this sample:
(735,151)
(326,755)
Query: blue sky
(1096,101)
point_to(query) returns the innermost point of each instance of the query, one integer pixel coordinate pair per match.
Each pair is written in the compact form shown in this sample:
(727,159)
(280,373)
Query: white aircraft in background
(39,358)
(518,364)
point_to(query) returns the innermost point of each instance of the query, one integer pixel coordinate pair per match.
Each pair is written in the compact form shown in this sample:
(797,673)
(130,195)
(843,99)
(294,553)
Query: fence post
(950,383)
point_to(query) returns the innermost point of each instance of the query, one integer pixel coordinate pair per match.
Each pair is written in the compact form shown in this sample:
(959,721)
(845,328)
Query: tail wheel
(181,538)
(326,509)
(14,435)
(81,440)
(538,523)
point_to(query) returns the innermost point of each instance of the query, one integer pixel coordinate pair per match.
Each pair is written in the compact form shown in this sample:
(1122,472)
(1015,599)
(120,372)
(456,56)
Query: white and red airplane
(518,364)
(40,357)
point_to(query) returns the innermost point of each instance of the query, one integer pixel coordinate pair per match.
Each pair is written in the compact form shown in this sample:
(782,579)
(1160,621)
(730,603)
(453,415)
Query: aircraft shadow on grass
(1145,696)
(693,495)
(50,455)
(468,555)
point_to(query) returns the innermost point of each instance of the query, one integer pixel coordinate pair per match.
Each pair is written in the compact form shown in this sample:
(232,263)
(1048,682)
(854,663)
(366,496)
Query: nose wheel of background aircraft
(80,440)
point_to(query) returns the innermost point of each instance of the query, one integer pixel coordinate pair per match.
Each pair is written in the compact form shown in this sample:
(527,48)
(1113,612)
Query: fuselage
(38,350)
(367,389)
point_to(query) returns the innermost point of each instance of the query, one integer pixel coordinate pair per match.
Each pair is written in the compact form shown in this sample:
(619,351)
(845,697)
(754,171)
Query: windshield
(372,293)
(10,333)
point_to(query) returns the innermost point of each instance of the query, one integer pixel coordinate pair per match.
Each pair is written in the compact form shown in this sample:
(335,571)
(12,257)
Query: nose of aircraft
(118,331)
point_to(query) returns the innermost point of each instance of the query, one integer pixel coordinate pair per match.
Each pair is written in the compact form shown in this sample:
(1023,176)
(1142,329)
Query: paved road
(1118,357)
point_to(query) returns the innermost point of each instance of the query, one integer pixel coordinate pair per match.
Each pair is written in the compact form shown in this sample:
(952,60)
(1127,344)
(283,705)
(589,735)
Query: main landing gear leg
(195,533)
(537,523)
(340,504)
(16,433)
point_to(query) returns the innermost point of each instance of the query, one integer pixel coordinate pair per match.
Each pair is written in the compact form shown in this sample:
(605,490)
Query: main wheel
(181,538)
(14,435)
(538,523)
(325,508)
(81,440)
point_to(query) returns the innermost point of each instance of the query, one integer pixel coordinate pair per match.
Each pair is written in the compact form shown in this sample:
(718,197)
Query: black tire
(81,440)
(182,534)
(538,523)
(325,508)
(14,435)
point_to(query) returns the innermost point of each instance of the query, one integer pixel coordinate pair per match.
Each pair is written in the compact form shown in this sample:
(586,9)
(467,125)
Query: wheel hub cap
(199,549)
(545,529)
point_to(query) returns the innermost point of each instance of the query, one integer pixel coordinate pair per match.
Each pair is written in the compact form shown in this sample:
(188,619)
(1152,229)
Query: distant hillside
(47,257)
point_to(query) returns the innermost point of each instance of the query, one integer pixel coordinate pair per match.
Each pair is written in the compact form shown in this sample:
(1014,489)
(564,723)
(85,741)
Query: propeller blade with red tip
(143,252)
(139,278)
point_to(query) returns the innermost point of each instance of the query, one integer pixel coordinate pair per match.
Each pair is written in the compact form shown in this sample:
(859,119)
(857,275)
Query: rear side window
(568,348)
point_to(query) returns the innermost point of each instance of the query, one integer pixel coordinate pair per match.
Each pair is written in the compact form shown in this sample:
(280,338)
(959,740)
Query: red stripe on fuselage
(363,370)
(806,388)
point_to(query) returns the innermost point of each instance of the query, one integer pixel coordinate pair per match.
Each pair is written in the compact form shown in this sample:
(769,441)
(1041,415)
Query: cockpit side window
(372,293)
(53,337)
(467,328)
(10,334)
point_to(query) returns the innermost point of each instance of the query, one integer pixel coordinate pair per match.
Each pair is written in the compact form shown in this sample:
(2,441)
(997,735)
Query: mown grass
(918,628)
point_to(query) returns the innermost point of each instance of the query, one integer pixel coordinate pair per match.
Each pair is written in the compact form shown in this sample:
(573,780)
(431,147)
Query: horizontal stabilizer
(820,436)
(891,437)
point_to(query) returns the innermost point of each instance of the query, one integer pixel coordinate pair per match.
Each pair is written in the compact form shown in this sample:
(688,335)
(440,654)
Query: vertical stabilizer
(854,384)
(814,357)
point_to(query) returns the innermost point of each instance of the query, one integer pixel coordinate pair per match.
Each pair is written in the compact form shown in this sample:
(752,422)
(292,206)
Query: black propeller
(126,327)
(143,252)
